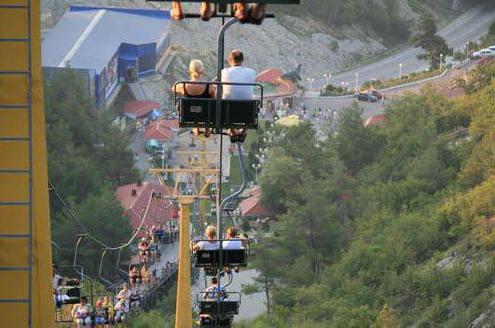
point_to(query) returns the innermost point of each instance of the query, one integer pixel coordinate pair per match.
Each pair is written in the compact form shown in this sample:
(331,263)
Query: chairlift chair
(210,259)
(228,307)
(201,112)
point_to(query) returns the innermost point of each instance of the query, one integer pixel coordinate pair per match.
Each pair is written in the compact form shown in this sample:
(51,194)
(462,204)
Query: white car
(483,53)
(491,48)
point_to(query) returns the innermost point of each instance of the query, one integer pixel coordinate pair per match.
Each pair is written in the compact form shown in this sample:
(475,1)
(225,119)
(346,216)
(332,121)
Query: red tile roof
(160,212)
(171,124)
(374,120)
(251,206)
(160,130)
(269,76)
(140,107)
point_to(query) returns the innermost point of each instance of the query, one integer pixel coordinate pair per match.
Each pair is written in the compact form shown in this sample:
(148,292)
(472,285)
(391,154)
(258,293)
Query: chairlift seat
(216,322)
(201,113)
(230,258)
(227,308)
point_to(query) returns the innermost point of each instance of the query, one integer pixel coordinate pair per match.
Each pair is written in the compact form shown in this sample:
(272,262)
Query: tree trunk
(267,293)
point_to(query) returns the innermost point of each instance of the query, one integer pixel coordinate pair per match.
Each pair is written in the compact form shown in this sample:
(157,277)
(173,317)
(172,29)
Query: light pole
(400,71)
(441,61)
(357,81)
(467,50)
(328,76)
(256,168)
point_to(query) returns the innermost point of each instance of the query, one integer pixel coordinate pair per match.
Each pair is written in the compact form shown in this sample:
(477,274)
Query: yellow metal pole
(25,279)
(183,311)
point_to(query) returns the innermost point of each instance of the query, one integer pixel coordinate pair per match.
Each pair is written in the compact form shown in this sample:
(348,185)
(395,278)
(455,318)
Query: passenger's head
(106,300)
(83,300)
(231,232)
(99,302)
(236,58)
(211,232)
(214,281)
(196,69)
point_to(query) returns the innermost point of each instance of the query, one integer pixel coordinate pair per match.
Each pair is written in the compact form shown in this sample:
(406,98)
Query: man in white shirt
(237,73)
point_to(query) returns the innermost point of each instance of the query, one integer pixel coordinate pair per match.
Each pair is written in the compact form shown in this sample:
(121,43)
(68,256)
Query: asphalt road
(470,26)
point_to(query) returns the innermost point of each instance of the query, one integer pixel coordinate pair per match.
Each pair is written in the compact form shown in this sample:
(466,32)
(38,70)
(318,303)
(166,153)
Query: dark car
(375,93)
(365,97)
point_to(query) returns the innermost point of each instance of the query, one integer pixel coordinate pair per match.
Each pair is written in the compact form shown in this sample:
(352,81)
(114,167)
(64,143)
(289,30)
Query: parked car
(491,48)
(364,96)
(375,93)
(483,53)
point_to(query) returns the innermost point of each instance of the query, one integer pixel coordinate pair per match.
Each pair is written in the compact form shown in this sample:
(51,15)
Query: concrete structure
(105,44)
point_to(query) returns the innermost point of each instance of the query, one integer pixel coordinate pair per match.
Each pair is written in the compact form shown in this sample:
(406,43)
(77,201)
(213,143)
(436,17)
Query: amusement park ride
(26,298)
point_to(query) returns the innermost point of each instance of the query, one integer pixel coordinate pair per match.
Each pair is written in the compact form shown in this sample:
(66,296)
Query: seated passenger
(143,249)
(245,13)
(124,293)
(233,240)
(210,293)
(121,310)
(135,300)
(133,277)
(211,243)
(145,275)
(81,313)
(249,13)
(237,73)
(153,249)
(108,306)
(101,314)
(206,10)
(201,91)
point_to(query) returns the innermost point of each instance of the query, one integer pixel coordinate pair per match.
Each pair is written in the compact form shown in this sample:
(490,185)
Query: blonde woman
(211,243)
(200,90)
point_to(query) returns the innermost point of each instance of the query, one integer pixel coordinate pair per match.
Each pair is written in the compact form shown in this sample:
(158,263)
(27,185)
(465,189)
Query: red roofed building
(271,75)
(139,108)
(156,130)
(251,206)
(374,120)
(134,199)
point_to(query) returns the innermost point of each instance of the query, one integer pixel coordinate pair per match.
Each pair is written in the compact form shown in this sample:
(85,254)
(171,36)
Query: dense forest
(87,159)
(386,226)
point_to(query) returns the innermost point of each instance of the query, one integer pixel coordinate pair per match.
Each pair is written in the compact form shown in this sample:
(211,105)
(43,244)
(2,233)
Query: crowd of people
(104,313)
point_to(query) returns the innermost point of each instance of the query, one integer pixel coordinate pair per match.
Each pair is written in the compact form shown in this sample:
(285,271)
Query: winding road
(470,26)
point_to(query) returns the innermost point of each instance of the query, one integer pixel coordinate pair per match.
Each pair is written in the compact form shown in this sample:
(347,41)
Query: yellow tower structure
(25,261)
(207,174)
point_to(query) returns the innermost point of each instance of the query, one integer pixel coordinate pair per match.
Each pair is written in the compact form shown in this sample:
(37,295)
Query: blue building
(103,43)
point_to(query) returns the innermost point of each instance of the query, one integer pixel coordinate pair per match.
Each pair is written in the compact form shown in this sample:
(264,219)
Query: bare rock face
(281,43)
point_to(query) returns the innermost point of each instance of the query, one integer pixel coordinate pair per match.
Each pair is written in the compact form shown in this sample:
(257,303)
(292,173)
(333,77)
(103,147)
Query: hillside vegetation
(87,159)
(388,226)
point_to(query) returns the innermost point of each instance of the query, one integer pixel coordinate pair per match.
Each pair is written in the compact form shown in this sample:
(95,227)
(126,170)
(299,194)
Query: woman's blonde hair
(211,232)
(196,68)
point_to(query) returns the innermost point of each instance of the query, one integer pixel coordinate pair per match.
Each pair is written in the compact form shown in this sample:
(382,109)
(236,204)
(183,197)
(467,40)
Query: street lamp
(400,71)
(328,77)
(256,168)
(357,81)
(441,61)
(467,50)
(310,80)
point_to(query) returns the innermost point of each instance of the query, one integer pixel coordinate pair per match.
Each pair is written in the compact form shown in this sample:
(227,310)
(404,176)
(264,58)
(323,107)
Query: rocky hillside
(324,36)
